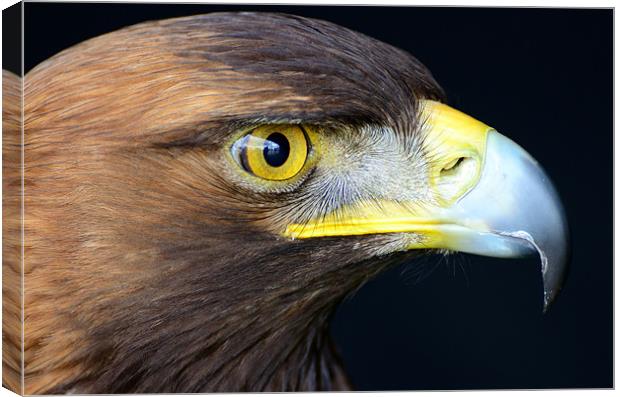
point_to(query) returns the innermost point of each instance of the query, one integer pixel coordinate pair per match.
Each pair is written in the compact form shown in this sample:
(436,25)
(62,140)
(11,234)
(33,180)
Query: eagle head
(200,194)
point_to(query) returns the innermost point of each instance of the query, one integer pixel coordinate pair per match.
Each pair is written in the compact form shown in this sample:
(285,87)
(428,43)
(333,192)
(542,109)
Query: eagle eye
(273,152)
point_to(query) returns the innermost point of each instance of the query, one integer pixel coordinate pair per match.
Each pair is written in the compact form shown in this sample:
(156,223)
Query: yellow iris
(273,152)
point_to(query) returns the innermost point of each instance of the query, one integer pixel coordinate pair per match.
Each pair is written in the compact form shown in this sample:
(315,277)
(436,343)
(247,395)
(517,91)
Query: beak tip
(548,298)
(553,282)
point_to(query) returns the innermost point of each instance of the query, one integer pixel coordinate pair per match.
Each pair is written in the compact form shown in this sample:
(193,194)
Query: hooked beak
(520,213)
(490,197)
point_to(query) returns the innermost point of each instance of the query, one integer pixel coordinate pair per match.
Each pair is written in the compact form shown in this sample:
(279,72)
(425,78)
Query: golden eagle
(200,193)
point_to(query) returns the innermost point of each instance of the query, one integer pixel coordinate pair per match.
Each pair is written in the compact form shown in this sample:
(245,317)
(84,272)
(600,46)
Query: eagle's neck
(273,343)
(288,349)
(256,324)
(301,361)
(247,359)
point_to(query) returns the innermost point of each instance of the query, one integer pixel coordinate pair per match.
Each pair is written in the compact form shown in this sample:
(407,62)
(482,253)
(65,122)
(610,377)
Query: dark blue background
(544,78)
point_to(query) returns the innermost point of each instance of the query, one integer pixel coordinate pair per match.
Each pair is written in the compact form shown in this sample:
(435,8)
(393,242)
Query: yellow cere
(456,143)
(292,141)
(452,138)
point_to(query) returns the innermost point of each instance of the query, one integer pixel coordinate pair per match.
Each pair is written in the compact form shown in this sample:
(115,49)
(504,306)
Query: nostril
(453,164)
(456,176)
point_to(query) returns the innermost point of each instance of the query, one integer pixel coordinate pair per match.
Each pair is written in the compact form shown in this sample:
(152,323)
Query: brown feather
(147,269)
(11,233)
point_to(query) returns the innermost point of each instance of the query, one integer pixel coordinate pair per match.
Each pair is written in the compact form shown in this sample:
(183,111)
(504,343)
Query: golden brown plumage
(11,231)
(130,213)
(155,261)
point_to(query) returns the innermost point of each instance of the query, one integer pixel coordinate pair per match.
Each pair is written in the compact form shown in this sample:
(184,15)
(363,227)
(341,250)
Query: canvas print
(202,198)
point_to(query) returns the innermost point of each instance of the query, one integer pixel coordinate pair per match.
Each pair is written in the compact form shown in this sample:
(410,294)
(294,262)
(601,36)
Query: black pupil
(276,149)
